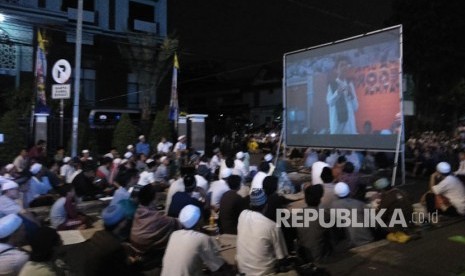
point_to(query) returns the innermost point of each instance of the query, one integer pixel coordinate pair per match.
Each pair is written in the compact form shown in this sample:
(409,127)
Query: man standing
(342,100)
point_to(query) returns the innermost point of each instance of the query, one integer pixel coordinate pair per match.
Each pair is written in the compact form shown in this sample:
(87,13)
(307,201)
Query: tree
(124,134)
(150,59)
(161,127)
(14,136)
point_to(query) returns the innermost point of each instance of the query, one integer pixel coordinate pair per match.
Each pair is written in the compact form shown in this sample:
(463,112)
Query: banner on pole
(174,105)
(41,76)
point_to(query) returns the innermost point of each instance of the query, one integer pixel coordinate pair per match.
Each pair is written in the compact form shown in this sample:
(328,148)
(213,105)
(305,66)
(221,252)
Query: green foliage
(18,99)
(161,127)
(124,134)
(14,136)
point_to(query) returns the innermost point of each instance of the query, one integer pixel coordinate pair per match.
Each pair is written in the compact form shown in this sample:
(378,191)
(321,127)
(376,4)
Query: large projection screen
(345,94)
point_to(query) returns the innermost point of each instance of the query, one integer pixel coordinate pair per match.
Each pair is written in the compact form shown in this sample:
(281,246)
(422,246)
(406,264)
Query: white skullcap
(239,155)
(9,167)
(8,184)
(129,147)
(141,137)
(128,155)
(201,182)
(163,158)
(443,167)
(35,168)
(85,151)
(268,157)
(341,189)
(381,183)
(66,159)
(226,172)
(117,161)
(124,161)
(181,137)
(189,216)
(108,155)
(9,224)
(148,161)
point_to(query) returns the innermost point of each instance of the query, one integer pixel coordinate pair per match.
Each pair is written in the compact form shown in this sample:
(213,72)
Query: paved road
(432,254)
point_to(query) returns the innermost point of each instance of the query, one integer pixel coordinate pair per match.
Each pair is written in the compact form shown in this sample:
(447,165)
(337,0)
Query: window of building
(141,12)
(111,14)
(133,95)
(88,86)
(88,5)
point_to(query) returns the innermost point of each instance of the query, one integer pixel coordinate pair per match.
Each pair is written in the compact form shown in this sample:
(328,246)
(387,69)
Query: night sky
(243,35)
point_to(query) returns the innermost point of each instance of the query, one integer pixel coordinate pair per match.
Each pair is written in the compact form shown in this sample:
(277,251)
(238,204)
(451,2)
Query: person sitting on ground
(260,243)
(198,248)
(177,185)
(350,177)
(67,170)
(231,206)
(328,188)
(124,179)
(275,202)
(447,193)
(355,236)
(12,236)
(313,239)
(64,214)
(44,244)
(83,181)
(10,193)
(391,200)
(181,199)
(161,174)
(103,253)
(257,181)
(337,168)
(151,229)
(147,176)
(39,186)
(218,188)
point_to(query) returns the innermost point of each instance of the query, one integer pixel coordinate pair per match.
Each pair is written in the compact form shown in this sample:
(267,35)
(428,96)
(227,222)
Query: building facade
(113,30)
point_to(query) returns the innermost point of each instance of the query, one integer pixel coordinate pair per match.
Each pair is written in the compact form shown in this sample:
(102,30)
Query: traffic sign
(61,71)
(61,91)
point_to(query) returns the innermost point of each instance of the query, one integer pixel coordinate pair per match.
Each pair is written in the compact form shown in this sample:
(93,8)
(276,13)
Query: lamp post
(77,79)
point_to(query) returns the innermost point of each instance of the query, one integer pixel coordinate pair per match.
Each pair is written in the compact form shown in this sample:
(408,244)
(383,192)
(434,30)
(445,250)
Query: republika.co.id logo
(368,218)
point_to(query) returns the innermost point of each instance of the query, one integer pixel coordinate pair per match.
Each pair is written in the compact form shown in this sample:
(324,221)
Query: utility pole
(77,79)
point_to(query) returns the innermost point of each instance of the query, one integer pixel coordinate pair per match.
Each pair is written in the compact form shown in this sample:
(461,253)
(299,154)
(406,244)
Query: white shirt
(58,213)
(179,147)
(452,188)
(317,168)
(201,182)
(259,244)
(217,188)
(461,170)
(145,178)
(239,169)
(176,186)
(11,261)
(8,206)
(67,171)
(164,147)
(187,251)
(257,181)
(215,163)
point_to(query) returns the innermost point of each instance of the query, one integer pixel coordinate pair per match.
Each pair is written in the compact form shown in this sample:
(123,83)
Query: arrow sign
(61,71)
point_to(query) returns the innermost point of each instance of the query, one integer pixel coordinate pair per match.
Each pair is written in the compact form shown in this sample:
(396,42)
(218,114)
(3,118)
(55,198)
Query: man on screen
(342,100)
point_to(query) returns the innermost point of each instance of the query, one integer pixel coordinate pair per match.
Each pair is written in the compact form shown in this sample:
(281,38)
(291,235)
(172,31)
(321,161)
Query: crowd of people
(165,201)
